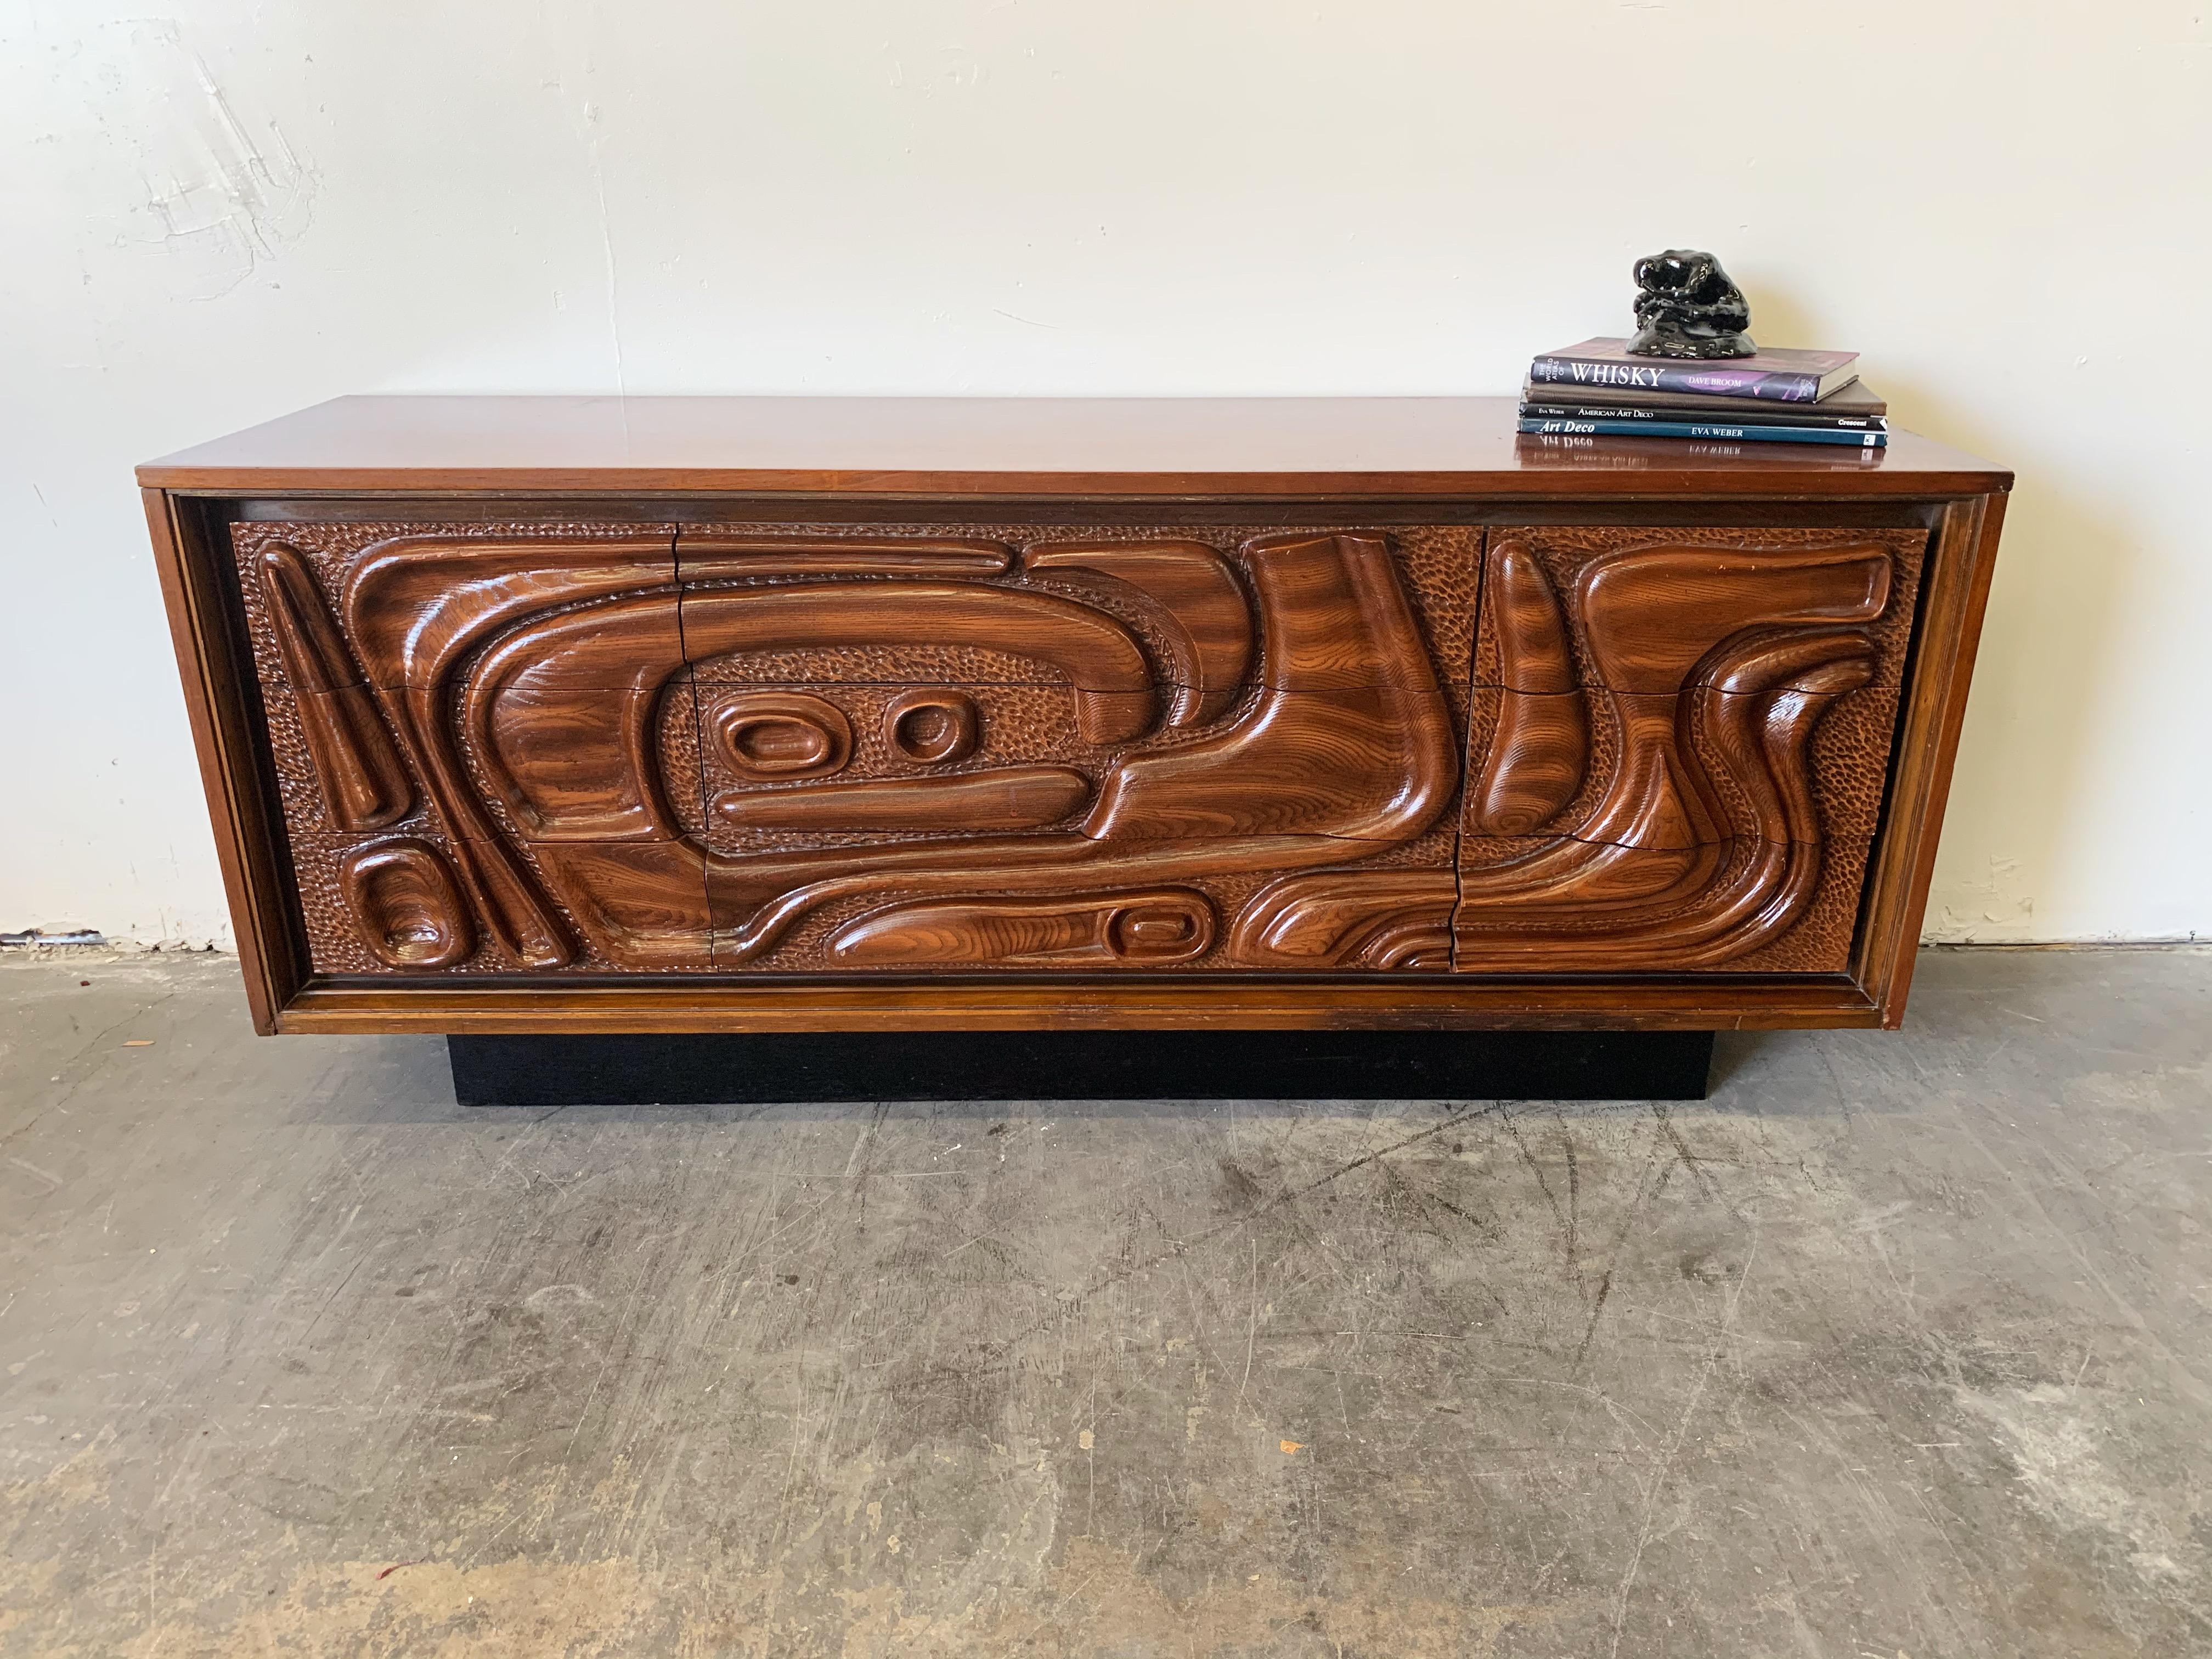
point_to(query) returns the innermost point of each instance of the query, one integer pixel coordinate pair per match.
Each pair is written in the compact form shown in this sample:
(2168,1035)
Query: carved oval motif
(407,903)
(783,735)
(932,726)
(1082,930)
(1170,926)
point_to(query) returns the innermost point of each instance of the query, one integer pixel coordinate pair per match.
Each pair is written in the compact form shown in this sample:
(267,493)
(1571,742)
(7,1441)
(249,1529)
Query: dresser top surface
(1104,447)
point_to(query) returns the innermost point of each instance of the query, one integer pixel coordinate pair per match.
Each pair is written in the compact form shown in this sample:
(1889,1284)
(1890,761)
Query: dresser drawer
(903,747)
(785,747)
(1680,746)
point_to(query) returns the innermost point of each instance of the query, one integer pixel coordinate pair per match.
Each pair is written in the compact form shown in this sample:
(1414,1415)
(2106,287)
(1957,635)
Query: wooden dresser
(538,715)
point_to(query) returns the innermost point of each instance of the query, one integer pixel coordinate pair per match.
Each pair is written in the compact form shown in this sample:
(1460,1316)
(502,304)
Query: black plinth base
(716,1069)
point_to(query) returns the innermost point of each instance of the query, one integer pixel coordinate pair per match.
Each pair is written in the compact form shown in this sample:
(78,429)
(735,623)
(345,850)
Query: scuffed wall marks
(220,191)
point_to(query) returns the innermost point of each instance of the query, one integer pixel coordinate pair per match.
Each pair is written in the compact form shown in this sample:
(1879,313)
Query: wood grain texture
(1015,727)
(998,798)
(1148,928)
(1654,735)
(1339,919)
(407,904)
(542,747)
(781,737)
(1160,1001)
(1744,906)
(1285,448)
(540,691)
(1530,762)
(1963,561)
(1172,586)
(1291,781)
(216,663)
(363,785)
(1201,609)
(733,556)
(1642,605)
(805,947)
(1847,759)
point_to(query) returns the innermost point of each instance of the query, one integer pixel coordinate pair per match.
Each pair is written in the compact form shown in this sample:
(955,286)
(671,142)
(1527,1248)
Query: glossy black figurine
(1686,306)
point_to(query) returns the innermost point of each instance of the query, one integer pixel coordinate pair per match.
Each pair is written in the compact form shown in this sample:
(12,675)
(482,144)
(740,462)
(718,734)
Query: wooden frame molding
(686,715)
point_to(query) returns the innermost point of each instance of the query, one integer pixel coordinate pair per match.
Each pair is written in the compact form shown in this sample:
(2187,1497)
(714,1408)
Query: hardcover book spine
(1642,412)
(1696,380)
(1770,435)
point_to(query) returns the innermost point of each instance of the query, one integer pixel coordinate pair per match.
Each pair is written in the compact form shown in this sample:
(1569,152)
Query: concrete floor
(1902,1346)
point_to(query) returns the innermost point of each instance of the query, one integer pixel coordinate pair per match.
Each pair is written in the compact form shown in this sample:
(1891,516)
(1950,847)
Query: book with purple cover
(1779,375)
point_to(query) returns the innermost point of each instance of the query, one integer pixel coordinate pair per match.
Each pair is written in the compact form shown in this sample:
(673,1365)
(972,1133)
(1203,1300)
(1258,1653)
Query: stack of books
(1597,388)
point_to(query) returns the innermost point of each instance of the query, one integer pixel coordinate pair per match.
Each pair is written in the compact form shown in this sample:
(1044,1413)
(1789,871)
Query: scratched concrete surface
(1899,1346)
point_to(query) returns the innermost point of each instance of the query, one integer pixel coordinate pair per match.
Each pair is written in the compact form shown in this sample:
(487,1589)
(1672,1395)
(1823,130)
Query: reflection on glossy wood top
(1293,446)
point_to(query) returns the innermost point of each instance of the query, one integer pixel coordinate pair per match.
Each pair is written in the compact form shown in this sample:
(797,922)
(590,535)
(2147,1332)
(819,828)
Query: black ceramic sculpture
(1686,306)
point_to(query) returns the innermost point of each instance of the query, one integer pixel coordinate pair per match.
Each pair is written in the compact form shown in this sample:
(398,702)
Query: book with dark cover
(1857,399)
(1783,376)
(1538,407)
(1739,433)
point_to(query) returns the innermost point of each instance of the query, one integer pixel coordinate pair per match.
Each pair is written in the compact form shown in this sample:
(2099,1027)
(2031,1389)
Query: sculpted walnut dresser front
(691,714)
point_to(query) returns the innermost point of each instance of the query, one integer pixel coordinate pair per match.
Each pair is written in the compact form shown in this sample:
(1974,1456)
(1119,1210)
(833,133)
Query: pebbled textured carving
(1375,764)
(1820,940)
(417,607)
(1674,896)
(1697,837)
(1251,719)
(406,904)
(1016,724)
(681,747)
(300,785)
(585,776)
(1851,763)
(1438,565)
(1094,652)
(1147,928)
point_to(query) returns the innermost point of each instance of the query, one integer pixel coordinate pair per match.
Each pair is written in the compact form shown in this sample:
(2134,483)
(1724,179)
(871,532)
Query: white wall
(227,210)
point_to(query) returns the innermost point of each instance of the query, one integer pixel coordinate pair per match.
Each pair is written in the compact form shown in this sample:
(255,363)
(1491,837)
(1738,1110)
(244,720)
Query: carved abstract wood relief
(407,904)
(363,785)
(1141,793)
(1649,793)
(1152,725)
(1352,919)
(507,749)
(1145,928)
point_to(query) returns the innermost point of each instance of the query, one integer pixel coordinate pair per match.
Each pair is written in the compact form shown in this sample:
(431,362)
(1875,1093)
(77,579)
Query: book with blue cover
(1739,433)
